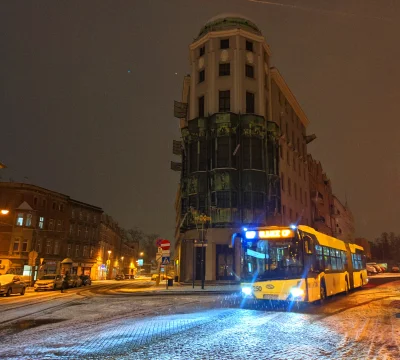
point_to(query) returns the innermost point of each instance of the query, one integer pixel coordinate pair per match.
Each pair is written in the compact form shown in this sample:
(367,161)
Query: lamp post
(108,264)
(122,258)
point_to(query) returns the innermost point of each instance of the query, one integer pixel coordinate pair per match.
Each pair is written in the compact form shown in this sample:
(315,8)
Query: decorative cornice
(227,33)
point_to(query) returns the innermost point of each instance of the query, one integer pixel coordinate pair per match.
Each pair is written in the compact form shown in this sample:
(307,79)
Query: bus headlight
(296,292)
(247,291)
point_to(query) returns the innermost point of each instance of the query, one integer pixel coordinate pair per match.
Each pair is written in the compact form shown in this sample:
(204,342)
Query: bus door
(311,267)
(349,265)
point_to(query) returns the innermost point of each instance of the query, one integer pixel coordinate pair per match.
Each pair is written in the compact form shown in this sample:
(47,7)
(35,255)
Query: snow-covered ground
(108,325)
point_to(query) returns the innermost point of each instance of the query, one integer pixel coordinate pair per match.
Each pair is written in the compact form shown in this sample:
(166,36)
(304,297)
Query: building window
(28,221)
(62,207)
(20,220)
(224,69)
(25,246)
(295,190)
(80,215)
(73,214)
(44,203)
(288,157)
(39,245)
(91,251)
(249,103)
(54,205)
(225,101)
(51,224)
(56,247)
(290,215)
(301,195)
(16,245)
(201,106)
(283,182)
(202,50)
(59,225)
(249,45)
(77,250)
(294,163)
(247,200)
(300,168)
(35,201)
(71,229)
(79,231)
(41,222)
(94,219)
(298,146)
(85,251)
(48,247)
(281,151)
(283,209)
(202,76)
(289,185)
(88,217)
(249,71)
(305,198)
(86,232)
(224,44)
(258,200)
(69,247)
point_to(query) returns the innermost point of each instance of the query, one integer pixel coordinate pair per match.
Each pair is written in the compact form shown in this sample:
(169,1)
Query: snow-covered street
(100,322)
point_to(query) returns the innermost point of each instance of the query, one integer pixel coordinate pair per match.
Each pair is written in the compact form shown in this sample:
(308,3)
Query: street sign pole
(202,256)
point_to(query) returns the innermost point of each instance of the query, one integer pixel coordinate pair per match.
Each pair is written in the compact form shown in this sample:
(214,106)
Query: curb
(185,293)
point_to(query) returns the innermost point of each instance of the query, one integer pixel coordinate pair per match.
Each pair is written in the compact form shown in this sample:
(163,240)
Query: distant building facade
(64,232)
(343,221)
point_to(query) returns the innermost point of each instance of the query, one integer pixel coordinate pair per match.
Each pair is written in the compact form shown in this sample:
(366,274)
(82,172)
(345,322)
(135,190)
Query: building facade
(243,148)
(65,233)
(343,221)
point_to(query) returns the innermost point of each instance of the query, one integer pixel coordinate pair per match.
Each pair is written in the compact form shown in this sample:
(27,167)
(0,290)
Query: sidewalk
(182,289)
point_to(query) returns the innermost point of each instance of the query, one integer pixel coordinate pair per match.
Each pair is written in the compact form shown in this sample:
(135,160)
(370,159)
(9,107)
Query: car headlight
(296,292)
(247,291)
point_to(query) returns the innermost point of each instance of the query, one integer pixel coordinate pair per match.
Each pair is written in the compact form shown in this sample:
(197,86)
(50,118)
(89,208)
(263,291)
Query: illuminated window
(28,221)
(20,220)
(41,222)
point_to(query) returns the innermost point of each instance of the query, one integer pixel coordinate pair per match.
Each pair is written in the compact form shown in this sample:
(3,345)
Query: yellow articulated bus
(298,263)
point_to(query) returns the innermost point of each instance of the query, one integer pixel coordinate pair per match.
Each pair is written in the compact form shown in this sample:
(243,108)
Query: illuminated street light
(4,211)
(141,254)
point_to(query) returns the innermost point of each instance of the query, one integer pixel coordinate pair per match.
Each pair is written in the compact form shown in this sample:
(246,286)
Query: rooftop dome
(229,21)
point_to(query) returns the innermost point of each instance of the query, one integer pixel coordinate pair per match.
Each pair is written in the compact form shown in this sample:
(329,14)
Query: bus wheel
(322,293)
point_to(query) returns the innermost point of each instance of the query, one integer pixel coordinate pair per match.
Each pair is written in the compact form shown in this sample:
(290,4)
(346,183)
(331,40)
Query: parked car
(48,282)
(371,270)
(74,281)
(395,269)
(120,277)
(86,280)
(11,284)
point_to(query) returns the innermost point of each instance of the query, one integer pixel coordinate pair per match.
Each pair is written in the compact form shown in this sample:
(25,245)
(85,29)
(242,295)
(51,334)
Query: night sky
(87,91)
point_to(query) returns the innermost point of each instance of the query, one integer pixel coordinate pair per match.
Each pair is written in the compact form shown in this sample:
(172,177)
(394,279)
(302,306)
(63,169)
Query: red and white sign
(165,244)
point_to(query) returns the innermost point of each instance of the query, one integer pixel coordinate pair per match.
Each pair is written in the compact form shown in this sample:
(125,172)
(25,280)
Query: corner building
(243,148)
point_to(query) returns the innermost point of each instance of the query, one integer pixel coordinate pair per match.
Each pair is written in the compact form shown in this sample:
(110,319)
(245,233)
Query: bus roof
(323,239)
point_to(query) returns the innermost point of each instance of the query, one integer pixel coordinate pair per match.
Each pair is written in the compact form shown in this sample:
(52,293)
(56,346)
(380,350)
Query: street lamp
(4,211)
(122,258)
(108,263)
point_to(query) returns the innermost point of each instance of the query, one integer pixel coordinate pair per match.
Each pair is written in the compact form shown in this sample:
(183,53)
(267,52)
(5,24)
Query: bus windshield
(272,259)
